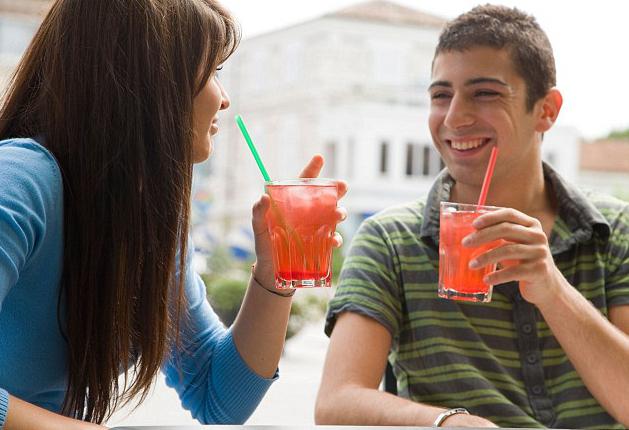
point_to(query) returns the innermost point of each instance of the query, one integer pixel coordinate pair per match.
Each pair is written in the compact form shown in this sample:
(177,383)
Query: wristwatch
(445,414)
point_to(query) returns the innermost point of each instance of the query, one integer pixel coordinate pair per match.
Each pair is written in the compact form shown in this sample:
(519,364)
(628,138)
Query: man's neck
(527,193)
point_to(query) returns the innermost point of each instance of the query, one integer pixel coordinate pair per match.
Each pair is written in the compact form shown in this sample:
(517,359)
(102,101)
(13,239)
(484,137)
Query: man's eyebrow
(473,81)
(440,84)
(486,81)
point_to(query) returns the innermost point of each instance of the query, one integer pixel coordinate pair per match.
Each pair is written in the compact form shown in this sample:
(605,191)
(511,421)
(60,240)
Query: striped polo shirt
(499,359)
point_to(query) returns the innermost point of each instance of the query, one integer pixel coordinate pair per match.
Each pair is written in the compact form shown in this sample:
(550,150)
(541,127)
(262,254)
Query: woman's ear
(549,110)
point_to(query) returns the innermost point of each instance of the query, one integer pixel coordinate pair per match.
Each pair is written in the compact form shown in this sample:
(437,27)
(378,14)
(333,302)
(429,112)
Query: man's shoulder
(612,208)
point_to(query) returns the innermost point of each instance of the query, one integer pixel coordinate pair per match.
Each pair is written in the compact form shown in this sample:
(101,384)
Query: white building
(19,20)
(351,85)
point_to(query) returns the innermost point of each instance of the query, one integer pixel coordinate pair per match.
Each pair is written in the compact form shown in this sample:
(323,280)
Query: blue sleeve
(4,405)
(29,186)
(211,378)
(28,179)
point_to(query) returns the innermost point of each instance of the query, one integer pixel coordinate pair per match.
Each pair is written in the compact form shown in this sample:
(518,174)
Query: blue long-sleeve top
(213,381)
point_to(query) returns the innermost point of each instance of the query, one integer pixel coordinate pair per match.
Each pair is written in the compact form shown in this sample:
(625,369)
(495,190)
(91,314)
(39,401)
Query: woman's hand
(264,257)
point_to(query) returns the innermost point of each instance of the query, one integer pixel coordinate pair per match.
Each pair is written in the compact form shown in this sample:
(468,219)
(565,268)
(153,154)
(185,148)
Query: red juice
(301,222)
(456,280)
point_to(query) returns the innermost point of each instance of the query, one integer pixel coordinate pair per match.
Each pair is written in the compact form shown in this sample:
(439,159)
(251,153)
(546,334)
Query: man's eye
(486,93)
(438,96)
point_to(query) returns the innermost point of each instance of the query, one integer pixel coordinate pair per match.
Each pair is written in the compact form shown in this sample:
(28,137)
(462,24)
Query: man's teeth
(467,144)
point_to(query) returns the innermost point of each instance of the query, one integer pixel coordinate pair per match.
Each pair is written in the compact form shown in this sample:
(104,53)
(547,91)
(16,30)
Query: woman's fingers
(342,188)
(341,214)
(337,240)
(258,212)
(313,168)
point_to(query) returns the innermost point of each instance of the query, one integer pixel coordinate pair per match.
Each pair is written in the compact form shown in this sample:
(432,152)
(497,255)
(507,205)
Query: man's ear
(549,110)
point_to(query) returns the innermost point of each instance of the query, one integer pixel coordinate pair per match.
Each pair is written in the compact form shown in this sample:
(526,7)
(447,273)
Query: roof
(392,13)
(605,155)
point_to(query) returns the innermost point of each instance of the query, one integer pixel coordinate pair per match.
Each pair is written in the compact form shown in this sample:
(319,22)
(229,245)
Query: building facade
(353,86)
(19,20)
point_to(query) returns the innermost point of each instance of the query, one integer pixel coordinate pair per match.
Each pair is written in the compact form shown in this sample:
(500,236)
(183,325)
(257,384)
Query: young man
(552,347)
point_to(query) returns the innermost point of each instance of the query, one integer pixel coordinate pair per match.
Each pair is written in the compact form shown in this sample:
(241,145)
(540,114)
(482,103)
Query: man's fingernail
(473,264)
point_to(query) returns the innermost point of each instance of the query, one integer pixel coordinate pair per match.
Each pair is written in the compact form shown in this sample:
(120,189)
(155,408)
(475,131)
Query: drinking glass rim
(321,182)
(468,206)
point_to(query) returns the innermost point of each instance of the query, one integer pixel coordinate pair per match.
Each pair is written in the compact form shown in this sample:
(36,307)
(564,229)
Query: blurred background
(348,79)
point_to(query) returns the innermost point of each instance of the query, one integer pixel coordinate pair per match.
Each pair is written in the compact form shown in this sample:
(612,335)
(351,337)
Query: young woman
(110,107)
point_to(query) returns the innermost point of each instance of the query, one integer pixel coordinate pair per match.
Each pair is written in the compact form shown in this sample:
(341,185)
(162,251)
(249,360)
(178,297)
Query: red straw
(488,174)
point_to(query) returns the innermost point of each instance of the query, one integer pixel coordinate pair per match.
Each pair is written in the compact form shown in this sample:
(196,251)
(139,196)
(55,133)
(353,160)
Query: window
(409,159)
(422,160)
(384,157)
(426,161)
(350,158)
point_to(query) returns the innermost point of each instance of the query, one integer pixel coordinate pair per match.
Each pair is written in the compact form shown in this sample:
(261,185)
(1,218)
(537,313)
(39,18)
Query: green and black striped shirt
(499,359)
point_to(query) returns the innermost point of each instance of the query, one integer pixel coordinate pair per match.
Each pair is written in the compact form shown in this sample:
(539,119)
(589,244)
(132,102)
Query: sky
(590,41)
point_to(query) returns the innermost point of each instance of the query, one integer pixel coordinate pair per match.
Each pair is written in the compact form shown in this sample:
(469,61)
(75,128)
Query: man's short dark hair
(501,27)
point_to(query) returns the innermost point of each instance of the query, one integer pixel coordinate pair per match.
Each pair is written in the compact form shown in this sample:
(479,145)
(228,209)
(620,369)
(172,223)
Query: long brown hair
(109,86)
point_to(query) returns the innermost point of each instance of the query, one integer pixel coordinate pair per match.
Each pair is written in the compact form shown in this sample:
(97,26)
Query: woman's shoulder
(25,150)
(27,155)
(25,159)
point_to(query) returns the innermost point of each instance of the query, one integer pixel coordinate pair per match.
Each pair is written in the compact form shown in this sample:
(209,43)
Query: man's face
(479,101)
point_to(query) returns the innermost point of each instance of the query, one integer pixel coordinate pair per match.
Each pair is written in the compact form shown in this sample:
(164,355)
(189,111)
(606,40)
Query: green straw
(252,148)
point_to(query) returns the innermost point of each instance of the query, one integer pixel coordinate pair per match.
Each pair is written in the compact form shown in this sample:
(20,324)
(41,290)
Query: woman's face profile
(211,99)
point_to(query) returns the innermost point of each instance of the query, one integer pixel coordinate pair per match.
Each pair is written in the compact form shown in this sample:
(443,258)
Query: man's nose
(460,113)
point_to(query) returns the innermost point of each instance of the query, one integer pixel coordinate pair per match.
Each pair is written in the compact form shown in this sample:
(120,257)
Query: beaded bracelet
(290,294)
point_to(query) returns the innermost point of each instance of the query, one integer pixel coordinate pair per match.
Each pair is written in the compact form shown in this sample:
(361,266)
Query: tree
(619,134)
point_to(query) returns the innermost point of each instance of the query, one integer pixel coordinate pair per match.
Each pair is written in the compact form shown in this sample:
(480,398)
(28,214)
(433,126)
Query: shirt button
(531,358)
(527,328)
(537,390)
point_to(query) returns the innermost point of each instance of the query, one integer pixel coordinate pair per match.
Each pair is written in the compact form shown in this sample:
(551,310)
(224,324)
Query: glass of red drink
(301,221)
(456,280)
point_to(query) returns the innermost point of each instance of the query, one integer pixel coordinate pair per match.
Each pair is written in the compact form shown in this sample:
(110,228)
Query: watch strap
(445,414)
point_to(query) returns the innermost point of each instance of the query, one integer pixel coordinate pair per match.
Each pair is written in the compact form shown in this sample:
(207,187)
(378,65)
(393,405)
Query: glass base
(481,296)
(288,284)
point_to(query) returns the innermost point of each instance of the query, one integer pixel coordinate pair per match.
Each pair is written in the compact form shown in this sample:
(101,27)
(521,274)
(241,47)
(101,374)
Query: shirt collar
(578,219)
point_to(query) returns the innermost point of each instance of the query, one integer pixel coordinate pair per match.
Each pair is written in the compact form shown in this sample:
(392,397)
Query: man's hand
(524,255)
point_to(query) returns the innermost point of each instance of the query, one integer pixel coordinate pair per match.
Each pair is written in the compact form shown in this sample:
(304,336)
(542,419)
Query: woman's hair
(109,85)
